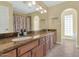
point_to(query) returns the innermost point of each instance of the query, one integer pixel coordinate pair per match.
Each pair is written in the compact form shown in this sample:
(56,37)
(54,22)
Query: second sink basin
(36,36)
(21,38)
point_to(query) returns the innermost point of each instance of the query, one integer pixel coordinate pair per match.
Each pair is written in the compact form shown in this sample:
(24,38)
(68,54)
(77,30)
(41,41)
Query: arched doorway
(69,25)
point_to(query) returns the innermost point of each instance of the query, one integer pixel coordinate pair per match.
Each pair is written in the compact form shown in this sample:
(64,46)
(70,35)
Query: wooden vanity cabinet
(46,45)
(38,51)
(24,49)
(10,54)
(51,39)
(49,42)
(37,48)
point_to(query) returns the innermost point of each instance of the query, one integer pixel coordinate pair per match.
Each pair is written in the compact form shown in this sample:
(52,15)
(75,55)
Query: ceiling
(22,7)
(52,3)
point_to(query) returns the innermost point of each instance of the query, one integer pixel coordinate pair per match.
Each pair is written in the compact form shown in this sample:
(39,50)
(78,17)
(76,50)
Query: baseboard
(58,42)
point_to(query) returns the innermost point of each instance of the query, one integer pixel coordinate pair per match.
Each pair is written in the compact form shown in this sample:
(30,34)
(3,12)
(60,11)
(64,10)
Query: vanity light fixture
(31,3)
(39,8)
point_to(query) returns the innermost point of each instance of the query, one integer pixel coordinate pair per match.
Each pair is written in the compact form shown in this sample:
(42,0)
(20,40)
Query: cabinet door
(47,44)
(10,54)
(27,47)
(38,51)
(28,54)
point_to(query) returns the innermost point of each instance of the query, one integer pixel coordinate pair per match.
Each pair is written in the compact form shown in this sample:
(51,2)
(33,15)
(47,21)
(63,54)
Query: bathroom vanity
(37,45)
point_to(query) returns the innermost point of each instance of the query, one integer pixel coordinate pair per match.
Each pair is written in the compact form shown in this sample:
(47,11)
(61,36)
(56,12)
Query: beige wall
(2,3)
(55,11)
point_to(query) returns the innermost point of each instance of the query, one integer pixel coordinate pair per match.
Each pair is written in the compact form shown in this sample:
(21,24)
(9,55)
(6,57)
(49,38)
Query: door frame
(62,25)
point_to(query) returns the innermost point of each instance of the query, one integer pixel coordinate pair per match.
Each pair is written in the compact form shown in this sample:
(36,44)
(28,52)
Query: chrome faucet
(18,34)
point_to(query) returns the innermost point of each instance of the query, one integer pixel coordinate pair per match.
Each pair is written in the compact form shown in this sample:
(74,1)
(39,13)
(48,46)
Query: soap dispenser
(25,33)
(21,34)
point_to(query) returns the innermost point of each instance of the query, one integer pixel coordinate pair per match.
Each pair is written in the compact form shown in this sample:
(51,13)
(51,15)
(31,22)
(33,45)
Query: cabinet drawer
(27,47)
(10,54)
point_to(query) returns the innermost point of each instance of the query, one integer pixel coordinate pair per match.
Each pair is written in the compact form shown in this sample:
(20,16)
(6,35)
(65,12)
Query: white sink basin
(21,38)
(37,36)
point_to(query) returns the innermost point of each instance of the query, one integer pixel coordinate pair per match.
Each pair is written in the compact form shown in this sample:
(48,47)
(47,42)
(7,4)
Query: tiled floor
(67,49)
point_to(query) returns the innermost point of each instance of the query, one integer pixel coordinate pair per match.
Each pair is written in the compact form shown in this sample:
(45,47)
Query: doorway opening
(69,26)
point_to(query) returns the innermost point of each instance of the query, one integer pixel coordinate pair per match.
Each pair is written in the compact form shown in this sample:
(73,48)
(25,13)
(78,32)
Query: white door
(4,19)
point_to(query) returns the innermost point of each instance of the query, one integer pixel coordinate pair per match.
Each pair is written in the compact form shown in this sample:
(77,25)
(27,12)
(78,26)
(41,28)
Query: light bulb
(41,12)
(45,11)
(37,9)
(33,2)
(40,7)
(29,4)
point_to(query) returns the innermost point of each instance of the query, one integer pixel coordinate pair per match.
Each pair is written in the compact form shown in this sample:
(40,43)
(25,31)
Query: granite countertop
(7,44)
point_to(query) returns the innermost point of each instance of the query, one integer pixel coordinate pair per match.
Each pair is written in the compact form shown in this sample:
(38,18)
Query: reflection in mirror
(36,23)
